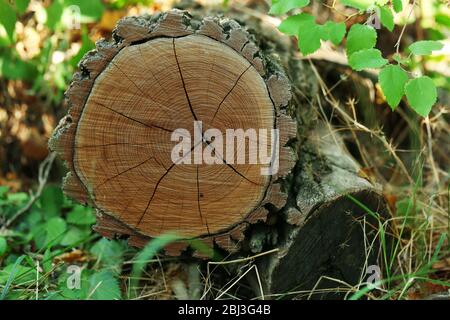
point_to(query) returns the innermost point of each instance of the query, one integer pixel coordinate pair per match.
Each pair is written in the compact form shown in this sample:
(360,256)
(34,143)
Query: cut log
(162,79)
(142,145)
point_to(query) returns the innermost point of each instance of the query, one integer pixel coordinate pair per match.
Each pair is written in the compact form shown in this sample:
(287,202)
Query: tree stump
(142,144)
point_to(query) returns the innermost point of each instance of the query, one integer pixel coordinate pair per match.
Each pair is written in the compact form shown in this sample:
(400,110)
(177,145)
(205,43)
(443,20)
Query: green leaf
(292,24)
(48,233)
(74,236)
(360,37)
(55,228)
(81,216)
(8,19)
(22,6)
(67,293)
(90,11)
(86,46)
(54,14)
(18,197)
(283,6)
(392,81)
(425,47)
(14,68)
(3,246)
(109,253)
(20,274)
(3,191)
(304,26)
(421,94)
(398,5)
(104,286)
(47,260)
(359,4)
(387,18)
(334,32)
(442,19)
(309,36)
(368,58)
(51,201)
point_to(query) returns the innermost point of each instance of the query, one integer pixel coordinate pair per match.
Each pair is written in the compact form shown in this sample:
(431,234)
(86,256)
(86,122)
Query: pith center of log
(124,139)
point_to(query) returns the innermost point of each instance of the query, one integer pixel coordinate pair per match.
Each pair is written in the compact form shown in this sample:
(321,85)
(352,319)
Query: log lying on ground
(172,71)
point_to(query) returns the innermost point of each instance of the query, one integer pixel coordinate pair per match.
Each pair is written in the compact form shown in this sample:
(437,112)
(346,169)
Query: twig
(44,170)
(397,45)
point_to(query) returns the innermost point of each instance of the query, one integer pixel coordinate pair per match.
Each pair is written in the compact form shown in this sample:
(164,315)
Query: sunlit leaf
(360,37)
(421,94)
(392,81)
(22,6)
(292,24)
(283,6)
(309,36)
(387,18)
(358,4)
(334,32)
(367,59)
(425,47)
(398,5)
(8,18)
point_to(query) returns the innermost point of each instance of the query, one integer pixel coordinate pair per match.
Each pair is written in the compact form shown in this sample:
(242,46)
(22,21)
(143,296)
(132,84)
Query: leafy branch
(394,79)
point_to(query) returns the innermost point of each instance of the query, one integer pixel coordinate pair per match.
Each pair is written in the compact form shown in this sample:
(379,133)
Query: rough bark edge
(175,23)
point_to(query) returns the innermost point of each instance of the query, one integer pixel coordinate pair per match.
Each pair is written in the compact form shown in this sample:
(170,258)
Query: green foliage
(120,4)
(359,4)
(392,81)
(52,226)
(81,216)
(426,47)
(90,11)
(104,286)
(109,253)
(49,233)
(360,37)
(22,274)
(361,49)
(22,5)
(387,18)
(3,246)
(334,32)
(367,58)
(421,94)
(309,36)
(283,6)
(292,24)
(8,19)
(310,33)
(398,5)
(149,251)
(49,79)
(51,201)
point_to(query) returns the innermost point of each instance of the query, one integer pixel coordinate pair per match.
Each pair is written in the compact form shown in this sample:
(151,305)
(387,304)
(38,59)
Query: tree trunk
(145,143)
